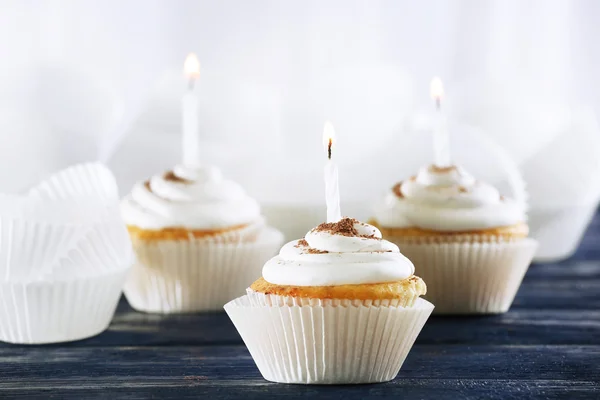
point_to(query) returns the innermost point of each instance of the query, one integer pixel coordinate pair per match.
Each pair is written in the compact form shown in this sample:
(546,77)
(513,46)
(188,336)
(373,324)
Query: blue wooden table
(547,346)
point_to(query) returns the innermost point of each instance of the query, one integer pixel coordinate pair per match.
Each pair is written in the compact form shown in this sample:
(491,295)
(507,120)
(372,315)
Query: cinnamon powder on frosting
(344,227)
(171,177)
(309,250)
(302,242)
(316,251)
(397,189)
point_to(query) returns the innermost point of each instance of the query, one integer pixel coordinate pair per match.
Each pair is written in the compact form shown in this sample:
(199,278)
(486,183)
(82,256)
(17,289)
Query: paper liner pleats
(58,311)
(91,180)
(190,276)
(333,342)
(64,257)
(470,278)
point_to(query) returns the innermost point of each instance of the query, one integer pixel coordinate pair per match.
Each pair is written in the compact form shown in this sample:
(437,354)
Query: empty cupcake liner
(59,311)
(68,223)
(336,342)
(64,256)
(64,212)
(104,248)
(26,248)
(83,180)
(32,249)
(469,278)
(181,276)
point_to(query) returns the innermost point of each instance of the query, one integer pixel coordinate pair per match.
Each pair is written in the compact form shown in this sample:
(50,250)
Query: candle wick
(329,149)
(438,103)
(191,84)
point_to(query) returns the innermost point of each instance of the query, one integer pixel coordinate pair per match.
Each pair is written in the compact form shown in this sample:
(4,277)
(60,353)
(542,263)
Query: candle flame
(191,67)
(437,89)
(328,137)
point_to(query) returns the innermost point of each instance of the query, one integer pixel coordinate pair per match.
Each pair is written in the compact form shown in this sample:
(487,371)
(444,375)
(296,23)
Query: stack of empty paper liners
(64,257)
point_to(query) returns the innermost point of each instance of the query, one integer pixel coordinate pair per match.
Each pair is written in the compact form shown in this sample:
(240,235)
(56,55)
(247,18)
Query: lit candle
(191,140)
(332,188)
(441,141)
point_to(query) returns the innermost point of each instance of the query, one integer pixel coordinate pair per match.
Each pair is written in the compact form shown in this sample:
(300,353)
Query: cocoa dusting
(462,189)
(171,177)
(344,227)
(316,251)
(302,242)
(371,236)
(309,250)
(502,198)
(397,189)
(147,186)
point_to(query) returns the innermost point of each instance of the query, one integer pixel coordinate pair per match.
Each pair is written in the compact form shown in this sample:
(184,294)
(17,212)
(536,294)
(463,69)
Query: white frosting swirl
(332,259)
(447,199)
(193,198)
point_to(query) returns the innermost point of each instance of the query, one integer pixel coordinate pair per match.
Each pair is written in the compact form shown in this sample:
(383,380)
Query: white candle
(191,139)
(332,189)
(441,140)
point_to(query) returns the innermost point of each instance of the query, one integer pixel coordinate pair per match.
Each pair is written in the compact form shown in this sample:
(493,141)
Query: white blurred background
(87,80)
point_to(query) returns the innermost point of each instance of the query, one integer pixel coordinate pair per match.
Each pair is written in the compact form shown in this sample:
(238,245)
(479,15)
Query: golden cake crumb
(407,290)
(177,233)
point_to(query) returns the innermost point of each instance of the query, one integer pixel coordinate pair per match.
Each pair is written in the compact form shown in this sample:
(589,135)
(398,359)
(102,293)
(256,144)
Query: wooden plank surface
(547,346)
(205,388)
(229,369)
(99,366)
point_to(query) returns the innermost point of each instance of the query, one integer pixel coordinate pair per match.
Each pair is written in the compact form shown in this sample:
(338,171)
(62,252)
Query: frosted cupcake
(339,306)
(468,242)
(199,239)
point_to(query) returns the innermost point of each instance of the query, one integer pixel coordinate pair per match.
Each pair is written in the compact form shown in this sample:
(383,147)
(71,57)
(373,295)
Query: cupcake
(468,242)
(337,307)
(198,238)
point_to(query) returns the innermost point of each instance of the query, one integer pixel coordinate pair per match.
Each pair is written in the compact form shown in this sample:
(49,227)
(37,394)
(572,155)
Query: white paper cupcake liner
(58,311)
(26,248)
(83,180)
(94,255)
(337,342)
(470,278)
(63,212)
(70,221)
(31,249)
(189,276)
(102,239)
